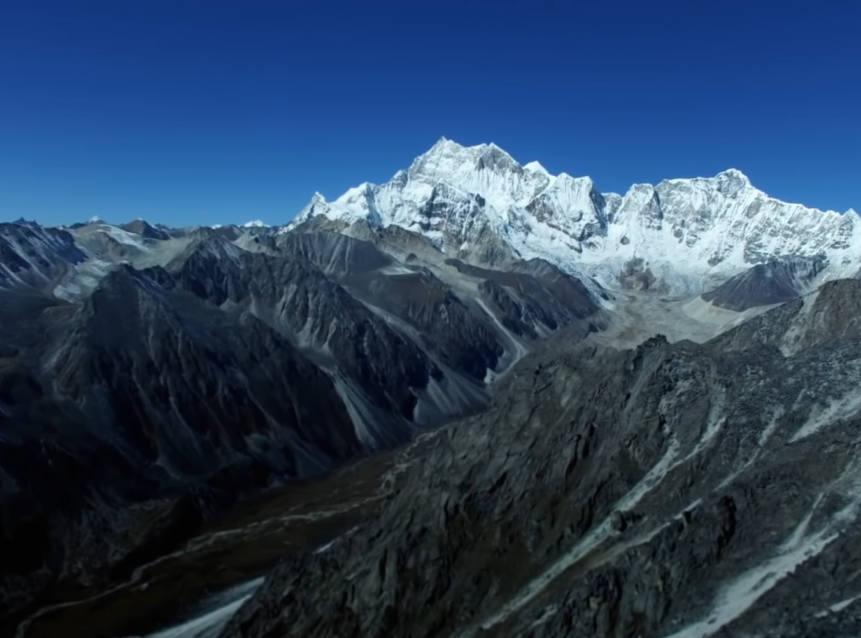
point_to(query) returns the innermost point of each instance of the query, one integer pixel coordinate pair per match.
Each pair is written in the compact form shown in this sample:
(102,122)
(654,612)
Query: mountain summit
(683,235)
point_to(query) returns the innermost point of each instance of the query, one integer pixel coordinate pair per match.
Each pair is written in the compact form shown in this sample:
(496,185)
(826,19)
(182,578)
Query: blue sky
(188,112)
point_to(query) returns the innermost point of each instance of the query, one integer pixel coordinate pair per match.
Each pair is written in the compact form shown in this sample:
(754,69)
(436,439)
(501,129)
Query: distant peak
(447,158)
(495,158)
(444,146)
(95,219)
(317,201)
(580,181)
(362,191)
(536,167)
(255,224)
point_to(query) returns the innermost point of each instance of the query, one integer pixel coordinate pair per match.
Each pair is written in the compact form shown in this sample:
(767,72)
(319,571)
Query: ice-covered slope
(681,236)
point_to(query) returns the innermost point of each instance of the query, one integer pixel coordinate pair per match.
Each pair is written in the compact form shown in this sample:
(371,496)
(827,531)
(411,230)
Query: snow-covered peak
(733,181)
(536,167)
(359,203)
(316,201)
(485,170)
(688,232)
(317,206)
(450,158)
(734,174)
(95,219)
(584,182)
(255,224)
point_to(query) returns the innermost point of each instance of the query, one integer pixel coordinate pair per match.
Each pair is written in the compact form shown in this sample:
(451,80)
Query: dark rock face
(831,313)
(442,321)
(335,254)
(637,275)
(145,230)
(296,298)
(447,326)
(167,358)
(677,490)
(534,298)
(773,282)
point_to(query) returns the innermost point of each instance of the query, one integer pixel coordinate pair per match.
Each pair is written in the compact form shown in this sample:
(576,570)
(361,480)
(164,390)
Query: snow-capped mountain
(682,235)
(255,224)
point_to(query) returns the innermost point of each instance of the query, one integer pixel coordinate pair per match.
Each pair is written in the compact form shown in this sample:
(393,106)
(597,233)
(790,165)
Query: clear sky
(202,112)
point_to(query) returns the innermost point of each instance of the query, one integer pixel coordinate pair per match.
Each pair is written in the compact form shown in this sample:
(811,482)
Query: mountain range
(682,236)
(151,376)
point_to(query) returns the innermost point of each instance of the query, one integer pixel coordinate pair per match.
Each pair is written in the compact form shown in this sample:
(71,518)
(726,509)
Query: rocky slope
(322,318)
(675,490)
(774,282)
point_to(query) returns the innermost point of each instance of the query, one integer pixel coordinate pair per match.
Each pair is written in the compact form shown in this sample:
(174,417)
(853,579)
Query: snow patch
(835,411)
(221,608)
(516,348)
(359,410)
(836,608)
